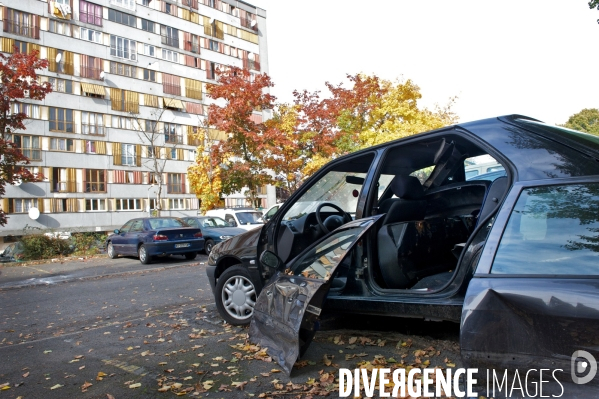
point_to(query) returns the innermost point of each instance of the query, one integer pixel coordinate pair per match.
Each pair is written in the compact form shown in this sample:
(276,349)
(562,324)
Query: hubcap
(142,253)
(110,250)
(239,297)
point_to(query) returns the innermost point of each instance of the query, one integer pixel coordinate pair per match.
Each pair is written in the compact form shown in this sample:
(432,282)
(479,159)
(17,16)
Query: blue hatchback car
(214,230)
(149,237)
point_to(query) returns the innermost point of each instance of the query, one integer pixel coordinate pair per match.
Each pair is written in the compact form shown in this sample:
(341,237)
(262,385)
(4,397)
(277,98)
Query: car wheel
(208,246)
(191,255)
(236,295)
(111,252)
(143,255)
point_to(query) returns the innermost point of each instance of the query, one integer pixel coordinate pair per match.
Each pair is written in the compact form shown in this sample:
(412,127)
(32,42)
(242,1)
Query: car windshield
(249,217)
(214,222)
(165,223)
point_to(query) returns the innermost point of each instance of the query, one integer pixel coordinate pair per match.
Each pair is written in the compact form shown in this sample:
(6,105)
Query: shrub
(87,243)
(40,246)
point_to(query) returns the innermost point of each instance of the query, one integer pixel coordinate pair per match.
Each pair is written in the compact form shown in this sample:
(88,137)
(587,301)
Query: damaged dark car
(398,230)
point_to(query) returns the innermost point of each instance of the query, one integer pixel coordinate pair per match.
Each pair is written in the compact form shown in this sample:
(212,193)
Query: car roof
(555,152)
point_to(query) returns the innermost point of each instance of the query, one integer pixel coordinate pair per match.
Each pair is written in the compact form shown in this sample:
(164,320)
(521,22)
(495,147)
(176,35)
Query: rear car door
(290,304)
(534,298)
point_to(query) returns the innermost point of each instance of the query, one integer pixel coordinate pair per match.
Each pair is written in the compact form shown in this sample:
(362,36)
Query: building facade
(129,79)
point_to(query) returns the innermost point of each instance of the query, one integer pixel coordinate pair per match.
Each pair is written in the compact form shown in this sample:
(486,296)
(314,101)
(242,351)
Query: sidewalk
(19,275)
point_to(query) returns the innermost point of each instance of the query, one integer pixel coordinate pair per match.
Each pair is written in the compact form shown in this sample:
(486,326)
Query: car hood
(242,246)
(223,231)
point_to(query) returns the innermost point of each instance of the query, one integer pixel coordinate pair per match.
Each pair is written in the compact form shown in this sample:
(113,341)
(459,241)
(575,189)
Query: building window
(123,48)
(95,181)
(171,84)
(90,13)
(148,26)
(170,55)
(150,126)
(172,133)
(121,18)
(92,123)
(61,85)
(23,205)
(61,144)
(61,120)
(122,122)
(176,203)
(21,23)
(175,184)
(29,146)
(149,50)
(128,154)
(21,47)
(169,36)
(117,68)
(149,75)
(66,64)
(91,35)
(193,89)
(95,204)
(91,67)
(63,180)
(130,4)
(213,45)
(128,204)
(60,27)
(31,110)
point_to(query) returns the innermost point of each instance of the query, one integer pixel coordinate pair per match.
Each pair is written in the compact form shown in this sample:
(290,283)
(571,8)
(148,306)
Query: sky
(529,57)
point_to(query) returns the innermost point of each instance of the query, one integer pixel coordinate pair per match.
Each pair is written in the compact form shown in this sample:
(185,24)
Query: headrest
(406,187)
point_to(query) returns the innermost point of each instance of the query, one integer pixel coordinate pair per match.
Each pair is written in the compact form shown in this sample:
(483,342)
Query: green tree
(586,120)
(18,80)
(594,4)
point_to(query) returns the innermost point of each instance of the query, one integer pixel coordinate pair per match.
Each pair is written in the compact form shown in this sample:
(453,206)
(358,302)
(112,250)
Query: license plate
(183,245)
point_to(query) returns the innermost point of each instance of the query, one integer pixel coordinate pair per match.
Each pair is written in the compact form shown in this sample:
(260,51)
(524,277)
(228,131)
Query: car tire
(208,246)
(191,255)
(236,295)
(143,256)
(111,252)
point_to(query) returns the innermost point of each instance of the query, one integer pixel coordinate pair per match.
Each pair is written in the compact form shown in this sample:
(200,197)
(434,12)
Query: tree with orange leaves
(18,79)
(242,157)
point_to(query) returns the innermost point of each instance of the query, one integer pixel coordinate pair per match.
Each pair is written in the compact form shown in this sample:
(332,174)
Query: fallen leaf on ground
(136,385)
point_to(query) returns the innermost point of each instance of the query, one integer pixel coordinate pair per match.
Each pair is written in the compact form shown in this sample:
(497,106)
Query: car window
(192,222)
(320,261)
(126,227)
(552,230)
(217,222)
(137,225)
(165,223)
(250,217)
(271,212)
(229,218)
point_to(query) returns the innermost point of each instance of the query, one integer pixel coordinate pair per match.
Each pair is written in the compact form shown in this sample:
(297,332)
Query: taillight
(160,237)
(198,234)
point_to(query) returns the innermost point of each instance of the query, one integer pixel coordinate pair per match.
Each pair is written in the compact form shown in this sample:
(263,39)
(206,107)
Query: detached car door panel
(533,300)
(288,308)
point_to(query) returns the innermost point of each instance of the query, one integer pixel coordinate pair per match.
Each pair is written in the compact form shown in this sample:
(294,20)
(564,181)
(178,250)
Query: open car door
(291,302)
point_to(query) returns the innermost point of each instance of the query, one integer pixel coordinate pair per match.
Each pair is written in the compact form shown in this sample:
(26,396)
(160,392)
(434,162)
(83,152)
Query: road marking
(39,270)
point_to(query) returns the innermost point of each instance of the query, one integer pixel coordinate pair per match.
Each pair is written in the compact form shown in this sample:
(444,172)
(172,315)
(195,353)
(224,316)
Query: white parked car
(270,212)
(244,218)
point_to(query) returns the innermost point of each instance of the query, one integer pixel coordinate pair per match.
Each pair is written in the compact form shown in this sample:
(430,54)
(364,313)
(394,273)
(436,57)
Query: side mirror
(117,231)
(271,260)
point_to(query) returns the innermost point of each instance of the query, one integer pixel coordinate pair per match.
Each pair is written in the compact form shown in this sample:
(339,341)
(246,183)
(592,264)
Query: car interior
(430,211)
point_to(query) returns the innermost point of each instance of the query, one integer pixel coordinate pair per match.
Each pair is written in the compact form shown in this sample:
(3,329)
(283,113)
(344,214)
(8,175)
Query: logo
(582,362)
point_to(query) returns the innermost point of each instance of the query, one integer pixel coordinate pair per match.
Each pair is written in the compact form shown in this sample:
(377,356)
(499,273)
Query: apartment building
(129,79)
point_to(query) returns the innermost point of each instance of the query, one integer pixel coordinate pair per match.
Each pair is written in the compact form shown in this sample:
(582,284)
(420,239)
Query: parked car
(244,218)
(491,176)
(515,260)
(155,236)
(214,230)
(12,253)
(270,212)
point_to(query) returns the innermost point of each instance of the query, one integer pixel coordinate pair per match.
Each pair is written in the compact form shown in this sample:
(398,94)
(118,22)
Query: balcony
(15,28)
(170,41)
(90,72)
(173,138)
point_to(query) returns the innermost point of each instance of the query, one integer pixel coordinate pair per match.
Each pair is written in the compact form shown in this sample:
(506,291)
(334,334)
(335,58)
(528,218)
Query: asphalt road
(114,328)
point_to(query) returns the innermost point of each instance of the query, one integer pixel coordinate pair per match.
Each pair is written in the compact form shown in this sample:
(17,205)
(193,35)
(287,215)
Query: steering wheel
(345,217)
